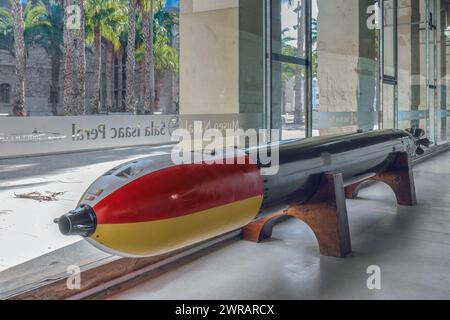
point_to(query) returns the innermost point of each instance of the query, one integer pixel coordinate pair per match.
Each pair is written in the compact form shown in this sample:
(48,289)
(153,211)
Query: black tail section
(421,140)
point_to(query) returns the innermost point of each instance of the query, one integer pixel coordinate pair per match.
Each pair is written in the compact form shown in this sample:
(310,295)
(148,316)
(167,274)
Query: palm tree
(68,56)
(19,48)
(149,65)
(74,58)
(289,71)
(165,58)
(287,49)
(18,29)
(50,38)
(131,59)
(154,53)
(120,55)
(105,19)
(109,76)
(80,62)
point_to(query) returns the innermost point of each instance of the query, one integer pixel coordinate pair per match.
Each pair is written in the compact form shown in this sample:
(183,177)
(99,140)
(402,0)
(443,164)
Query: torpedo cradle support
(326,212)
(151,206)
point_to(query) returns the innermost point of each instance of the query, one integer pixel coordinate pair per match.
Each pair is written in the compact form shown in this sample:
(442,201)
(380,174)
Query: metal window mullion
(436,120)
(395,44)
(427,62)
(381,64)
(308,69)
(289,59)
(267,118)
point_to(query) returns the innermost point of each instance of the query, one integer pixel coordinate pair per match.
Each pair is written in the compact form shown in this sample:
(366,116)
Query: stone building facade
(38,97)
(38,92)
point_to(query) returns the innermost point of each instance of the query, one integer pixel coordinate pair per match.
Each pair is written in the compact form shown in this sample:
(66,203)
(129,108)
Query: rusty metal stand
(326,212)
(399,177)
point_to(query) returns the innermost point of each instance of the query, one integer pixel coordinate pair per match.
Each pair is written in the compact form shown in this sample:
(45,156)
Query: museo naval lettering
(103,131)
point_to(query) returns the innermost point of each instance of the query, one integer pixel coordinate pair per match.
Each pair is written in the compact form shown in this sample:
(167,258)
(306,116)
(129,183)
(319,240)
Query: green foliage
(166,19)
(110,16)
(165,55)
(289,71)
(34,17)
(6,31)
(43,22)
(50,36)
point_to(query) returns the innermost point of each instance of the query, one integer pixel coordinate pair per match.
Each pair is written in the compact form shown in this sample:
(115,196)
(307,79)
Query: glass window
(5,93)
(289,19)
(289,79)
(289,65)
(127,77)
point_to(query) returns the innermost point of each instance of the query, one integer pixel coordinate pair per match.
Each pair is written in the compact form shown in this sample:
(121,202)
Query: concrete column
(338,57)
(209,57)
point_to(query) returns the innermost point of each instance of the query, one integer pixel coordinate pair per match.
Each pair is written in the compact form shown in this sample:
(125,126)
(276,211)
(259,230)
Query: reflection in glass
(289,17)
(290,97)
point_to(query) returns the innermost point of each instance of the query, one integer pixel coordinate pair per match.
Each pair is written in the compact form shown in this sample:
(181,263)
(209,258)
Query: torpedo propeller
(421,140)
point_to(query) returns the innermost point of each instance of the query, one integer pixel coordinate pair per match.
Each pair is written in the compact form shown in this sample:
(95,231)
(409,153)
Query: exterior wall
(38,82)
(7,77)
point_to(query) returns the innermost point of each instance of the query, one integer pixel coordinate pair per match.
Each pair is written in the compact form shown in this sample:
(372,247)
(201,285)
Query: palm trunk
(120,82)
(68,86)
(149,68)
(131,59)
(97,71)
(56,69)
(175,94)
(142,109)
(81,64)
(19,47)
(159,82)
(109,78)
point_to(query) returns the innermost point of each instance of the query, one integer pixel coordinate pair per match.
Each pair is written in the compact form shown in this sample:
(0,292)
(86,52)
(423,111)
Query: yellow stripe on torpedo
(156,237)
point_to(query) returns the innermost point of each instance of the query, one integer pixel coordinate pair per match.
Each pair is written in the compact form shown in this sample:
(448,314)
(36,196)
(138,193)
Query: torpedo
(151,206)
